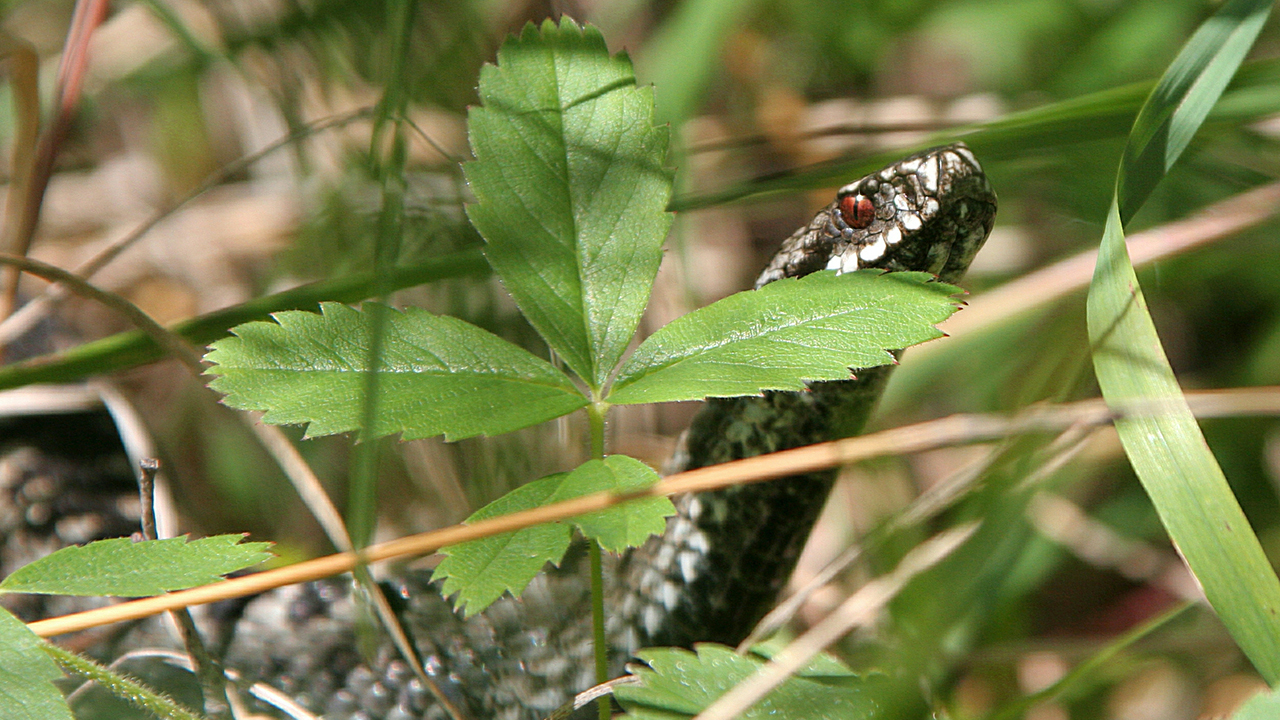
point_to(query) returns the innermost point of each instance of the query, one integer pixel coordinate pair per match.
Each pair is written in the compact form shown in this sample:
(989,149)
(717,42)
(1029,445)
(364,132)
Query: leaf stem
(596,413)
(119,685)
(597,623)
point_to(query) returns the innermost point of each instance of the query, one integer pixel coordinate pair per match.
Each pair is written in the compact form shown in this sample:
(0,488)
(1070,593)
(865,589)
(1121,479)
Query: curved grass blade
(1088,118)
(133,348)
(570,190)
(1167,450)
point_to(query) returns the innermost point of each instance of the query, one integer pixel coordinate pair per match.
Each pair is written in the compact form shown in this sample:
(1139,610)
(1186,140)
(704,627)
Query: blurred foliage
(751,88)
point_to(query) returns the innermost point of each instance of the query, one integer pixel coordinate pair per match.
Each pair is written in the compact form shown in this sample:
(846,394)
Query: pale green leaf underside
(26,674)
(1263,706)
(480,571)
(120,567)
(571,190)
(786,333)
(679,683)
(438,375)
(1167,449)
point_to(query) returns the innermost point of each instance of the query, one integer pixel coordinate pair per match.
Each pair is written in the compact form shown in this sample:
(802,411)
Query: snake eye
(857,211)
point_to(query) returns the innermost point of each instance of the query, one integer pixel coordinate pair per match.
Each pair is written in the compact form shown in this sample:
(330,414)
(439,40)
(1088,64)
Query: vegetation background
(175,91)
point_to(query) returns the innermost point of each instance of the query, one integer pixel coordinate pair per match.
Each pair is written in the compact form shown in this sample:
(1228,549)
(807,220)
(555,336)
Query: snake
(722,561)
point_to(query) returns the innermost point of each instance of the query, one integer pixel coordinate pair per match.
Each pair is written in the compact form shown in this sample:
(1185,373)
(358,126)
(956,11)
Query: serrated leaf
(438,375)
(480,571)
(571,190)
(120,567)
(679,683)
(787,332)
(26,674)
(621,526)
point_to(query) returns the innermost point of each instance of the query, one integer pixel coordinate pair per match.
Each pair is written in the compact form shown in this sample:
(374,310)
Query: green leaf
(786,333)
(438,375)
(480,571)
(621,526)
(679,683)
(123,568)
(27,691)
(1166,448)
(571,190)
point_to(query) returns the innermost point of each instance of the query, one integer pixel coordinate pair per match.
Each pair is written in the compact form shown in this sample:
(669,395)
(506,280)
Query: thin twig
(953,430)
(937,498)
(933,501)
(207,669)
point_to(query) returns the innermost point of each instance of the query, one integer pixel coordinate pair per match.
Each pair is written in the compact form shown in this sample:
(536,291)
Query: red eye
(857,211)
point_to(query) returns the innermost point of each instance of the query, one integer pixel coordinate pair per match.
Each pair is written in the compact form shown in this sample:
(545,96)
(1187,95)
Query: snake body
(723,558)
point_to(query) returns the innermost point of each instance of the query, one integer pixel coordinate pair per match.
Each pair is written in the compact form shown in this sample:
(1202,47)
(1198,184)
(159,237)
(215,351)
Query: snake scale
(724,557)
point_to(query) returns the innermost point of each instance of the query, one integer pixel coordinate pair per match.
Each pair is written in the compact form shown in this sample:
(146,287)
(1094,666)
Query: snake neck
(727,554)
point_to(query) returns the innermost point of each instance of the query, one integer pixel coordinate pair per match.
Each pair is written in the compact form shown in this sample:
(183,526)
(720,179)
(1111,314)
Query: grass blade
(1168,451)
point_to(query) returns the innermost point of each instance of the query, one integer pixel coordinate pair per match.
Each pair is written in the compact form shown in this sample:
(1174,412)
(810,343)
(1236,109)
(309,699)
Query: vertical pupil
(857,211)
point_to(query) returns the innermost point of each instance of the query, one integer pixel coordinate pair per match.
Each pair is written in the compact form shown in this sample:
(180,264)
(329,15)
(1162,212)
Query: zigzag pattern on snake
(723,559)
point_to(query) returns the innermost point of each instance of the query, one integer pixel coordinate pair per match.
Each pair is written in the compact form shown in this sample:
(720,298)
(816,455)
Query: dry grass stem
(953,430)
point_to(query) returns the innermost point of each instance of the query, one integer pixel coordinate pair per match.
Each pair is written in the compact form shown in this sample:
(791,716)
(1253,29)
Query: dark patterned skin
(723,559)
(730,552)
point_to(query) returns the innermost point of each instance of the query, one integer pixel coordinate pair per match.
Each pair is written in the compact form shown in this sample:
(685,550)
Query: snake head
(930,212)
